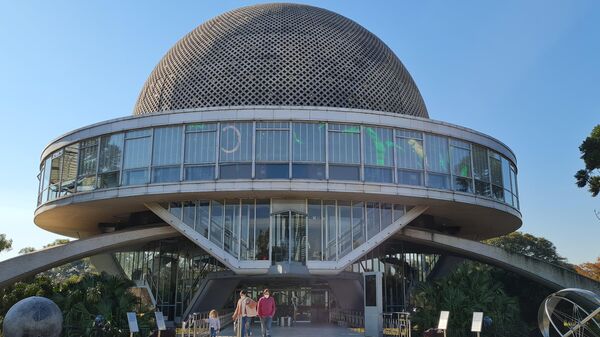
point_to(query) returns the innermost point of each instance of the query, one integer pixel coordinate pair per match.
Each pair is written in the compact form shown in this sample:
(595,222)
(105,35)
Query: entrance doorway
(289,237)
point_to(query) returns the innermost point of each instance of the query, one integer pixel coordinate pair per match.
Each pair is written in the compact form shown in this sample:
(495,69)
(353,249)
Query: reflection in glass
(272,171)
(330,230)
(86,171)
(69,170)
(315,250)
(235,171)
(344,172)
(111,150)
(344,143)
(358,224)
(136,157)
(231,227)
(236,142)
(202,217)
(247,231)
(216,223)
(345,228)
(55,168)
(308,171)
(166,154)
(481,171)
(308,142)
(272,141)
(379,146)
(200,151)
(379,174)
(263,220)
(373,219)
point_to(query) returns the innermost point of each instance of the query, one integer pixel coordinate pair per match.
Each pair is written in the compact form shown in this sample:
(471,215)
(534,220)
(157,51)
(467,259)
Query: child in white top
(214,323)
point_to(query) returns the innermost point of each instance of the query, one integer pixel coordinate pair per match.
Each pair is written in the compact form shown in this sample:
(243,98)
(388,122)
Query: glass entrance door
(289,237)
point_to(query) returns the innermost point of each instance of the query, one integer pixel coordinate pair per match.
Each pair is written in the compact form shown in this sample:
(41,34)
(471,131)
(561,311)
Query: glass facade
(279,150)
(324,230)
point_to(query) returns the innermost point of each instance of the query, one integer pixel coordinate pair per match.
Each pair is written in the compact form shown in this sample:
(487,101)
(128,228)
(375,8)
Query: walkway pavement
(300,330)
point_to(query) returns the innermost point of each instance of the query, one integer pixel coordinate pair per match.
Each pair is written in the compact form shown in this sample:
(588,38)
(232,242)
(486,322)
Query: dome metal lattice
(282,55)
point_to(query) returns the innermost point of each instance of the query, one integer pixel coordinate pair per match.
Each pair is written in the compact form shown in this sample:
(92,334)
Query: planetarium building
(276,145)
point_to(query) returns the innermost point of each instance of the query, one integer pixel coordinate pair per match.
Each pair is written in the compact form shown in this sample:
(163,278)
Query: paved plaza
(300,330)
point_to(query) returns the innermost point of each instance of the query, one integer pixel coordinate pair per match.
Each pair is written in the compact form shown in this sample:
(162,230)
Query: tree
(80,299)
(57,242)
(5,244)
(590,269)
(529,245)
(471,287)
(590,153)
(26,250)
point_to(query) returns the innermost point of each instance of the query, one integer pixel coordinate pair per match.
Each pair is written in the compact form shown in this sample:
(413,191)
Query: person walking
(266,312)
(245,310)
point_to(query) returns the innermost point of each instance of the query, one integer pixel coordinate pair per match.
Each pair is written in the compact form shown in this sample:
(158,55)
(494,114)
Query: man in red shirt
(266,311)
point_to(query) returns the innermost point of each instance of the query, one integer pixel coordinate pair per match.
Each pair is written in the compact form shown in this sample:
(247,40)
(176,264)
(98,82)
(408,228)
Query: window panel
(111,150)
(202,217)
(379,174)
(200,143)
(308,171)
(506,174)
(344,172)
(344,144)
(386,215)
(235,171)
(55,170)
(272,171)
(358,224)
(480,163)
(88,157)
(216,223)
(247,228)
(373,219)
(437,153)
(199,172)
(410,177)
(137,152)
(236,142)
(345,228)
(166,146)
(308,142)
(436,180)
(496,169)
(272,141)
(410,153)
(263,221)
(379,146)
(231,227)
(314,222)
(69,170)
(330,230)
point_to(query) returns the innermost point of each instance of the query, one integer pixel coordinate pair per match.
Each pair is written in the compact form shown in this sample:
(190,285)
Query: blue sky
(525,72)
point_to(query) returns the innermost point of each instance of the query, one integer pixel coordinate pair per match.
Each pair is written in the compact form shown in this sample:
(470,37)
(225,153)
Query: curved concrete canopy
(545,273)
(22,266)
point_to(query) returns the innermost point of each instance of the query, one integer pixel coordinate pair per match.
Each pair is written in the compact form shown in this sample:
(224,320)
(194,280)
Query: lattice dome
(282,55)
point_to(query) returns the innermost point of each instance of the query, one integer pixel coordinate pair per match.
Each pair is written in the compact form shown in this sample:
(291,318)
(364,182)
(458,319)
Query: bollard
(289,321)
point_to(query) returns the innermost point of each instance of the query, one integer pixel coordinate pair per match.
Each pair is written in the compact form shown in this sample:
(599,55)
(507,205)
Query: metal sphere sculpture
(570,312)
(33,316)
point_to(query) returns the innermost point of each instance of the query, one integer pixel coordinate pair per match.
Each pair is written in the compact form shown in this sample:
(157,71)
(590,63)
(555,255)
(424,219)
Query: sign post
(477,322)
(443,323)
(160,322)
(373,297)
(132,321)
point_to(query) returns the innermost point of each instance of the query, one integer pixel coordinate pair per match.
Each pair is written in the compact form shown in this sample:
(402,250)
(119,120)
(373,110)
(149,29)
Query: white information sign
(132,321)
(477,321)
(443,323)
(160,320)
